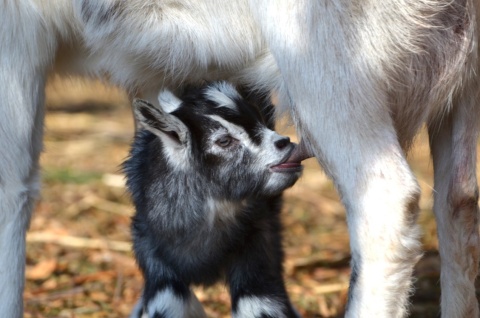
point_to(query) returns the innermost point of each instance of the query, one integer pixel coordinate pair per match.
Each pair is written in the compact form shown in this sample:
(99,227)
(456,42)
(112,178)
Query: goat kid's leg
(255,277)
(137,311)
(169,302)
(453,143)
(166,296)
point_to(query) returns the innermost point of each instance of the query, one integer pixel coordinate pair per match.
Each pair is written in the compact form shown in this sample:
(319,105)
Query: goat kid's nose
(282,143)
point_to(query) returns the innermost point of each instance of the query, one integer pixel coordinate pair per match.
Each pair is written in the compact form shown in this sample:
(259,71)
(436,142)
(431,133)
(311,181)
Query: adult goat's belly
(168,43)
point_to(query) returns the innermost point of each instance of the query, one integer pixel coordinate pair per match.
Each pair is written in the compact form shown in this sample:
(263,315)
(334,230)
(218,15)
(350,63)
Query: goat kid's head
(215,135)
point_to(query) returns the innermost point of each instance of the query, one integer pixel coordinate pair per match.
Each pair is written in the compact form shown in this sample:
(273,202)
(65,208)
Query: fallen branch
(318,260)
(44,298)
(79,242)
(93,201)
(331,288)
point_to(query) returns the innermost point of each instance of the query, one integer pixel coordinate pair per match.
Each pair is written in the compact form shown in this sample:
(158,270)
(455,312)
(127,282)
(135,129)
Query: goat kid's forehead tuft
(223,94)
(168,101)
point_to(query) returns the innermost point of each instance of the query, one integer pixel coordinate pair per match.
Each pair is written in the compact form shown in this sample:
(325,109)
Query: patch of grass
(65,176)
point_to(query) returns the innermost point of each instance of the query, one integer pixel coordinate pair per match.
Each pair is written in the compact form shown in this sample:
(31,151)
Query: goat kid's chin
(282,176)
(285,173)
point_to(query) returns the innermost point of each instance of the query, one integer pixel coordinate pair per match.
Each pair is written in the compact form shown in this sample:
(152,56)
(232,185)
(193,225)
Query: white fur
(168,101)
(176,153)
(166,303)
(359,78)
(250,307)
(137,311)
(224,95)
(221,211)
(266,152)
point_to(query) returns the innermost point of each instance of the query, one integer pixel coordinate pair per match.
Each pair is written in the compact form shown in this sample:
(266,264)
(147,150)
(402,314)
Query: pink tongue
(289,164)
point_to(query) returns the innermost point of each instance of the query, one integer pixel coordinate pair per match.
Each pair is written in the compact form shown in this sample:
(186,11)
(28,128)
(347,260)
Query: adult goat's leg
(340,106)
(23,63)
(21,122)
(453,144)
(381,197)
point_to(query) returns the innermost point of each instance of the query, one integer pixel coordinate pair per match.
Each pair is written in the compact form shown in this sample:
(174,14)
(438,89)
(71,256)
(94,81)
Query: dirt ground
(79,262)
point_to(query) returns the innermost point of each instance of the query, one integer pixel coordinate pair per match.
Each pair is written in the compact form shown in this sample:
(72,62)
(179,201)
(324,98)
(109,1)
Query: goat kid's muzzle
(293,162)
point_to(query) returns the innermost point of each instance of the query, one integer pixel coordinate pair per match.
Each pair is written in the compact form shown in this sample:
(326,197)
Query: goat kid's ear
(166,126)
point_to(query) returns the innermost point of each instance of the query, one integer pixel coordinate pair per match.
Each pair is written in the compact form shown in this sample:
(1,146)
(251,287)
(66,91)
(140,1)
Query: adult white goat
(359,77)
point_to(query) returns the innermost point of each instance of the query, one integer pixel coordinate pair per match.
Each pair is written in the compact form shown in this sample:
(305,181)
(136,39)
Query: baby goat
(207,180)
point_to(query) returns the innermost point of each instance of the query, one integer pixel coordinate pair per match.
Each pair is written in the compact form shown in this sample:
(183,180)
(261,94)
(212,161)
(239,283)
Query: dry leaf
(42,270)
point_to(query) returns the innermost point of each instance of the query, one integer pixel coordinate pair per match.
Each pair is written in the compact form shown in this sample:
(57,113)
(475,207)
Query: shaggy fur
(216,216)
(359,77)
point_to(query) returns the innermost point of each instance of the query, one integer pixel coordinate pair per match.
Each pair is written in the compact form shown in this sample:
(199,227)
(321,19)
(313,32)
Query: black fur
(173,243)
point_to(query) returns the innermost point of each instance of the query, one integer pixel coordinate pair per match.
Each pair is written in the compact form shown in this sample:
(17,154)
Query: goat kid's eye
(224,141)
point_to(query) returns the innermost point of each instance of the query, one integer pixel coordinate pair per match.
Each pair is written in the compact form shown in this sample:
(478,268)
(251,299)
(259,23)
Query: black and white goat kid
(206,174)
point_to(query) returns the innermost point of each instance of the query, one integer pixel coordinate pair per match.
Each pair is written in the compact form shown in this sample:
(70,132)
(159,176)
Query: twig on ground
(79,242)
(57,295)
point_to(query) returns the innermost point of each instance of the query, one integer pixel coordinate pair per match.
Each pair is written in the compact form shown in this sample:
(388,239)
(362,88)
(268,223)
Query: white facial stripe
(269,154)
(237,132)
(257,306)
(223,94)
(266,153)
(168,101)
(270,136)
